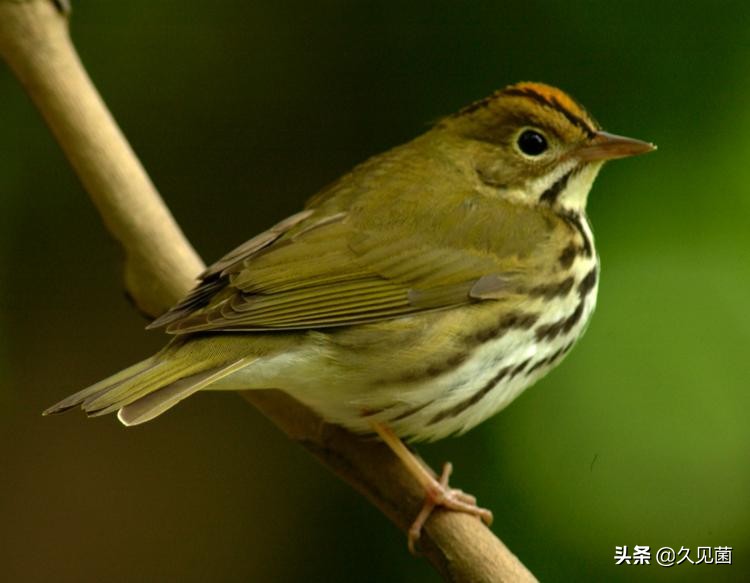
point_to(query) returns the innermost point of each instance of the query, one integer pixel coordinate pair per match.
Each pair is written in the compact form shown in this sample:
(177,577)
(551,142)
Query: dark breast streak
(516,320)
(545,333)
(575,221)
(523,321)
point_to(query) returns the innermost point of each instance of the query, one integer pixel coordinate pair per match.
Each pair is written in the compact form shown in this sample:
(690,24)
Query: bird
(411,299)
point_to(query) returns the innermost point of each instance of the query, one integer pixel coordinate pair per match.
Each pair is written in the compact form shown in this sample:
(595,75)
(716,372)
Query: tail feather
(115,380)
(155,403)
(148,388)
(117,396)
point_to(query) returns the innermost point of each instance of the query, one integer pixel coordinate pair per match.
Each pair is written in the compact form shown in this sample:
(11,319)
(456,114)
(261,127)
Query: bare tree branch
(161,267)
(160,264)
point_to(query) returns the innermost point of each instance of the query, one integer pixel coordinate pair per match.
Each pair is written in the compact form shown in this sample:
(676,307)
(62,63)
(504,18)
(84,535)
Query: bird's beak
(605,146)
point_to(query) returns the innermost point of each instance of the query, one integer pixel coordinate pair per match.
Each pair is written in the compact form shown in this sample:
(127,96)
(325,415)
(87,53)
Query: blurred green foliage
(240,111)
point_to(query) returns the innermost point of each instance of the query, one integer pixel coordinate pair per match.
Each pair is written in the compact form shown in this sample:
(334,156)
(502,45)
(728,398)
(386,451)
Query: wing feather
(332,268)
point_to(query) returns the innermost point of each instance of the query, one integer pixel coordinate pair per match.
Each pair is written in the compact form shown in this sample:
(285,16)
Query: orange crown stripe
(559,100)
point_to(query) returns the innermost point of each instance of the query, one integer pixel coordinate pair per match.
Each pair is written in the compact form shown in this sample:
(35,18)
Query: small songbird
(414,297)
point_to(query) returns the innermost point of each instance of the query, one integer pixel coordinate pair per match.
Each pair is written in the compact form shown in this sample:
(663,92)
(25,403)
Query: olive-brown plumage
(415,296)
(395,273)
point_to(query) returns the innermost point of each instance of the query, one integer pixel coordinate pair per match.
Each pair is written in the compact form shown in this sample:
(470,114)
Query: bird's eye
(532,143)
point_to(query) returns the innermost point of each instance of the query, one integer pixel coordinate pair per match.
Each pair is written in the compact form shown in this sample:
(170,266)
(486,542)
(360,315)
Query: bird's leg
(437,491)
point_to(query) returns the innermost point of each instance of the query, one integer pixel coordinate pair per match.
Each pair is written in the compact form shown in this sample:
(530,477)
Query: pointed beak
(606,146)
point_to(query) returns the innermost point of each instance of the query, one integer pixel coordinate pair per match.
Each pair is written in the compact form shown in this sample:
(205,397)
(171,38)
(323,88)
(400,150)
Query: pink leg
(437,492)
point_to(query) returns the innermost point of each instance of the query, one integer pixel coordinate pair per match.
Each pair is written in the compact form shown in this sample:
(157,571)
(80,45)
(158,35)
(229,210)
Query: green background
(240,111)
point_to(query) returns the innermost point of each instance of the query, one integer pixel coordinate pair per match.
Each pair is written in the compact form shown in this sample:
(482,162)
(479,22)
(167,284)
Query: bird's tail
(147,389)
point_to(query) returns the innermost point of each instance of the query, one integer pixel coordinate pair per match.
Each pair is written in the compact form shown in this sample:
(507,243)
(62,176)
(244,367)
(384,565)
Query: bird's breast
(439,373)
(507,353)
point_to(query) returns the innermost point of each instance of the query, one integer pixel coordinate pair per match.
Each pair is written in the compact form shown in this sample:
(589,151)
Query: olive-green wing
(332,274)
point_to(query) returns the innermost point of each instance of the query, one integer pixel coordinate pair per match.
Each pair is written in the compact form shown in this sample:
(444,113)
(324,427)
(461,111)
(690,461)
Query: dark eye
(532,143)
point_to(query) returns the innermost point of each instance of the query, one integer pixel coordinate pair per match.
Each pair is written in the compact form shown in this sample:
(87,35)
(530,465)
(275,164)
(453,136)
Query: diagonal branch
(161,267)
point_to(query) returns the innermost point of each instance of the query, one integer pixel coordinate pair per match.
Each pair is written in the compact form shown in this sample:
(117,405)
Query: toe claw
(486,516)
(438,493)
(414,536)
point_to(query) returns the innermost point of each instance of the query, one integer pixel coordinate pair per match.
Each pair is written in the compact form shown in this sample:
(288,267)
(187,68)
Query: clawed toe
(438,493)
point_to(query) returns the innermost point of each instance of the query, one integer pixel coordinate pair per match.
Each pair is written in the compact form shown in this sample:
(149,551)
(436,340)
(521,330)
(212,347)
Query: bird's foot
(439,494)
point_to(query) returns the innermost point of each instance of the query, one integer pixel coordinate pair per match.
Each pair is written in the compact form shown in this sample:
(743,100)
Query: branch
(160,264)
(161,267)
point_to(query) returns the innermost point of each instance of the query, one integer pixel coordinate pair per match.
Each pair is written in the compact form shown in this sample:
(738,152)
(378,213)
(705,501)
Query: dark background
(240,111)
